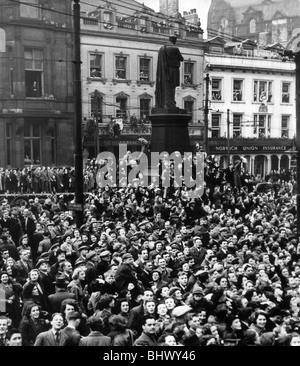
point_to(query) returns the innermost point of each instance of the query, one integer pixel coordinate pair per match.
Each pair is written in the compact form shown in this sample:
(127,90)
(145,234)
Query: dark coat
(146,340)
(95,339)
(135,319)
(198,255)
(30,229)
(57,298)
(73,335)
(124,276)
(29,330)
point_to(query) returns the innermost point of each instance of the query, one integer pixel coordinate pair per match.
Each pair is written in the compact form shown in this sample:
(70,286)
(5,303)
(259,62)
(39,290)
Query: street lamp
(78,207)
(293,51)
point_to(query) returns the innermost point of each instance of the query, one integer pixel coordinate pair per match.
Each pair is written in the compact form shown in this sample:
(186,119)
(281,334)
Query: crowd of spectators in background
(150,266)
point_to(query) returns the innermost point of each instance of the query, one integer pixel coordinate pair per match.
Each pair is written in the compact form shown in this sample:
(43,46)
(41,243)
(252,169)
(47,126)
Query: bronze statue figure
(167,76)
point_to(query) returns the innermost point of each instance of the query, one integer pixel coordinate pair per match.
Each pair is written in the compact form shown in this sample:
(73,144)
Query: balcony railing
(194,129)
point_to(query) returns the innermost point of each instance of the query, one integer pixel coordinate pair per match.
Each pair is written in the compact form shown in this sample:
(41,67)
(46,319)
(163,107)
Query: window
(216,92)
(285,122)
(189,106)
(30,9)
(285,95)
(252,26)
(237,90)
(107,17)
(33,72)
(144,69)
(188,77)
(215,125)
(121,67)
(262,125)
(237,121)
(8,144)
(122,111)
(32,143)
(107,20)
(144,107)
(262,91)
(95,65)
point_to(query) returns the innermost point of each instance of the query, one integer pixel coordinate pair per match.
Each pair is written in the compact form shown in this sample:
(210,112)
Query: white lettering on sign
(250,148)
(280,148)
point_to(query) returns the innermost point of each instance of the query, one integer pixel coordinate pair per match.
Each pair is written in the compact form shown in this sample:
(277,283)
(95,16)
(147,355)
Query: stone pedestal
(170,130)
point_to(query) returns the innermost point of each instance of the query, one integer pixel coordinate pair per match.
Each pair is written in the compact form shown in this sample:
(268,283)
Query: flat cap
(181,310)
(90,255)
(105,253)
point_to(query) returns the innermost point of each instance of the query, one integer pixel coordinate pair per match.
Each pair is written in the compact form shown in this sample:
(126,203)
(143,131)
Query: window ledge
(194,86)
(91,79)
(144,82)
(238,101)
(117,81)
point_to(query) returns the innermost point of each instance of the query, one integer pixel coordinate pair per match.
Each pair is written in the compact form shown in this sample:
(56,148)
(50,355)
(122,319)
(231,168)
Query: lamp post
(96,100)
(228,138)
(206,109)
(293,51)
(78,208)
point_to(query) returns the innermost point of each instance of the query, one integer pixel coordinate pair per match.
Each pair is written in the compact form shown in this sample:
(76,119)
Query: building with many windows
(265,22)
(252,112)
(36,93)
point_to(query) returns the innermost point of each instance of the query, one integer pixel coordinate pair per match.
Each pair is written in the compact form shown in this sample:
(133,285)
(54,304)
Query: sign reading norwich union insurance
(250,149)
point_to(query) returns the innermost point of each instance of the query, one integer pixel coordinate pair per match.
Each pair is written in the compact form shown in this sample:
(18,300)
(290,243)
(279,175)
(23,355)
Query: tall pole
(96,104)
(228,137)
(205,137)
(78,118)
(297,61)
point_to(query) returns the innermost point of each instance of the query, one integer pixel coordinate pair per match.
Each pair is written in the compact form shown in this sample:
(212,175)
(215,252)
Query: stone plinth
(170,130)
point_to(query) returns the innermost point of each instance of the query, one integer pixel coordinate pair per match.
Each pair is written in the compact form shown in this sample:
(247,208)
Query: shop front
(260,158)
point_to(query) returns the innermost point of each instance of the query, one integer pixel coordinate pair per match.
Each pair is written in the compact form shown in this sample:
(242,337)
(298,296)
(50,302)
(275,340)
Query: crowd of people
(151,266)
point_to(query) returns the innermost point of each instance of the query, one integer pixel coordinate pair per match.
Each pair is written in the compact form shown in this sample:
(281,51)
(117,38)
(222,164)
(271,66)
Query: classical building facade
(252,112)
(36,73)
(119,48)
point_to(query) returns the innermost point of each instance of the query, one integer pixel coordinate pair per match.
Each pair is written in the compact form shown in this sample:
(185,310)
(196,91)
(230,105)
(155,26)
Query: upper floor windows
(285,93)
(144,64)
(237,90)
(121,67)
(263,91)
(216,89)
(30,9)
(33,72)
(188,77)
(95,65)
